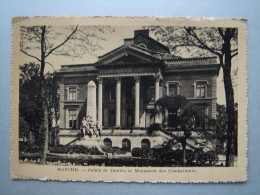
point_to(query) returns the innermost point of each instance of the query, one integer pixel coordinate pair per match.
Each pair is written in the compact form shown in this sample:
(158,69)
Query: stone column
(137,101)
(157,95)
(100,101)
(118,102)
(67,118)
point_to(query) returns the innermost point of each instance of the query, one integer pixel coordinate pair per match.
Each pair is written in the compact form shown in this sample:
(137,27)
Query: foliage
(30,100)
(29,148)
(145,153)
(39,42)
(51,86)
(197,41)
(222,127)
(154,127)
(74,149)
(208,41)
(136,152)
(24,129)
(114,150)
(164,153)
(184,117)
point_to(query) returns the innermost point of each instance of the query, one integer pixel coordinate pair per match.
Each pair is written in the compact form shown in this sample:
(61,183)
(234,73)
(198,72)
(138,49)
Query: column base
(117,127)
(136,127)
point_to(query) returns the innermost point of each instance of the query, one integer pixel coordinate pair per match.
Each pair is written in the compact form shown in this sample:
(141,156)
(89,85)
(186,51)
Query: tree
(221,129)
(30,105)
(30,101)
(184,117)
(208,41)
(40,42)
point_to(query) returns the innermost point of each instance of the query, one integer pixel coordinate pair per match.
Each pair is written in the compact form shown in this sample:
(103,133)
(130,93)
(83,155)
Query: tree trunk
(229,103)
(46,132)
(44,102)
(183,143)
(184,155)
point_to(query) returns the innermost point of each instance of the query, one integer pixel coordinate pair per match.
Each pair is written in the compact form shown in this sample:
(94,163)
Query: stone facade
(127,82)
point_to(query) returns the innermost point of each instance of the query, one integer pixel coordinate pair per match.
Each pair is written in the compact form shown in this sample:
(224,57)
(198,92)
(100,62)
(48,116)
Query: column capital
(100,80)
(157,77)
(118,79)
(137,79)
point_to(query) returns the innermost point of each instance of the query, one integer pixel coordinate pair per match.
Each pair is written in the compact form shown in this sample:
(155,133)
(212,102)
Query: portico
(129,102)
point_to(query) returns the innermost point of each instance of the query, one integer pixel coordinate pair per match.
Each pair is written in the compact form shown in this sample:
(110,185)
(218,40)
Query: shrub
(107,149)
(79,149)
(147,153)
(154,127)
(30,148)
(212,157)
(60,149)
(163,154)
(200,156)
(94,151)
(136,152)
(190,156)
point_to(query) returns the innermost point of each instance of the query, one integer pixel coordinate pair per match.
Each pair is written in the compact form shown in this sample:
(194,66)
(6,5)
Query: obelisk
(92,101)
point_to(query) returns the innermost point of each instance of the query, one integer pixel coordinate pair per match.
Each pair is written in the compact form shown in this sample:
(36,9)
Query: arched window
(108,142)
(145,143)
(126,144)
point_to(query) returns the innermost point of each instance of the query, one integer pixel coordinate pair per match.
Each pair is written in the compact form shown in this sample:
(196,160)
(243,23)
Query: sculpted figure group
(90,127)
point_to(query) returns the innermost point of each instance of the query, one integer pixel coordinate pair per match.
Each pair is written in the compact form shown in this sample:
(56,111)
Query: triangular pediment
(129,58)
(127,55)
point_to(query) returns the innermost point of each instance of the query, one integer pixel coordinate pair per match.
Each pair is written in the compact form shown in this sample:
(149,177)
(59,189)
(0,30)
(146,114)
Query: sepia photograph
(138,95)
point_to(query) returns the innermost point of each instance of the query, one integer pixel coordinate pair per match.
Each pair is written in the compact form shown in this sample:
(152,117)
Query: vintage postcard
(130,99)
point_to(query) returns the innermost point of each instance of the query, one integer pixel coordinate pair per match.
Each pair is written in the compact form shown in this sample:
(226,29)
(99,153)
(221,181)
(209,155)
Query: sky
(112,41)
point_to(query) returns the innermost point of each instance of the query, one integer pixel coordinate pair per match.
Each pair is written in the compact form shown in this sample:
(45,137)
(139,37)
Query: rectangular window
(173,90)
(72,118)
(200,90)
(72,94)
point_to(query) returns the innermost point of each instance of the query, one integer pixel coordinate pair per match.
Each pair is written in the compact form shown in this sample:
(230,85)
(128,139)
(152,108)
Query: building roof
(142,49)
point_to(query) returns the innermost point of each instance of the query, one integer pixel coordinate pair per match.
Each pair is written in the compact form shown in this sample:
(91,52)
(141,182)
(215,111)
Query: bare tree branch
(51,66)
(234,50)
(221,33)
(203,46)
(30,55)
(234,54)
(66,40)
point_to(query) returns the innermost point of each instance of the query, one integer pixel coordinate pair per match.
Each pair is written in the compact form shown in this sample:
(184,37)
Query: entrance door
(112,118)
(130,118)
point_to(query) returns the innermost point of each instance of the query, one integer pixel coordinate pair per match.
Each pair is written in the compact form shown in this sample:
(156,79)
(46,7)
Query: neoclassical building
(120,89)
